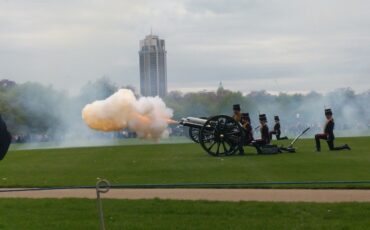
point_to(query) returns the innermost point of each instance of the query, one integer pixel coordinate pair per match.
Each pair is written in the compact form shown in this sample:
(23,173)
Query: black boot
(241,151)
(347,147)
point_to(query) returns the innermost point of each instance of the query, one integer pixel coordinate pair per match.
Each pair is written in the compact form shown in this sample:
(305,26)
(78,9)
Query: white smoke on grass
(147,116)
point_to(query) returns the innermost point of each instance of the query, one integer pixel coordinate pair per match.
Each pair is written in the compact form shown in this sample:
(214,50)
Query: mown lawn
(164,214)
(181,163)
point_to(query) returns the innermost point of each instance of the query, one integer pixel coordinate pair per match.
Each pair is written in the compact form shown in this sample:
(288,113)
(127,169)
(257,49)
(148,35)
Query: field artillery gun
(219,135)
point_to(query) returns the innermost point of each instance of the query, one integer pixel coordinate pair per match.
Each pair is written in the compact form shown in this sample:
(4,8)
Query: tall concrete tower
(153,66)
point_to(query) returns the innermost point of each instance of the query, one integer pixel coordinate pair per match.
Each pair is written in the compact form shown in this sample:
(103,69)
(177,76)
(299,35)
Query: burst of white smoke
(147,116)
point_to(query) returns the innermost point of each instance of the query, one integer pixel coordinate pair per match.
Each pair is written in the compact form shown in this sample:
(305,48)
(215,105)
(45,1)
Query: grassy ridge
(163,214)
(177,163)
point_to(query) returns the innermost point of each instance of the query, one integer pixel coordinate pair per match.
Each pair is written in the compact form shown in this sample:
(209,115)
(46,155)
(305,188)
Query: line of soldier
(266,135)
(244,119)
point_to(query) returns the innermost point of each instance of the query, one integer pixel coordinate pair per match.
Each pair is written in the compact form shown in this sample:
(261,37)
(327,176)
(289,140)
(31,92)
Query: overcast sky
(290,46)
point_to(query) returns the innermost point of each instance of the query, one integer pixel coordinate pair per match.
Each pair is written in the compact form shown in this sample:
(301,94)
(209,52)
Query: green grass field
(163,214)
(96,143)
(181,163)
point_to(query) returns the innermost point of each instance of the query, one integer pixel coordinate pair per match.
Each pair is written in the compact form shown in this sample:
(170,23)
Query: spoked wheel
(220,136)
(194,134)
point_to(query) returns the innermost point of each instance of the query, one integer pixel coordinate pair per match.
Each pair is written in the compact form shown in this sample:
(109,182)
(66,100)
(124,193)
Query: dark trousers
(257,144)
(277,134)
(241,146)
(248,141)
(323,136)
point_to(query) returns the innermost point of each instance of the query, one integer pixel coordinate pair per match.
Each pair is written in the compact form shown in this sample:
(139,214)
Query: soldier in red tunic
(328,134)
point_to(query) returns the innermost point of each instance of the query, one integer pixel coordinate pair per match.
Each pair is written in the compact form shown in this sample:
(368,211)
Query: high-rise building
(153,66)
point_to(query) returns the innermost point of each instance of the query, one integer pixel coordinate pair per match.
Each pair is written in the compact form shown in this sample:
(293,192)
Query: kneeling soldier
(328,134)
(265,136)
(277,130)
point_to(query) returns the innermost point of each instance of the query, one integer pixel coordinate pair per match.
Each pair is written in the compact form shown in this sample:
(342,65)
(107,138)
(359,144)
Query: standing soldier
(265,136)
(238,117)
(246,123)
(277,130)
(328,134)
(237,114)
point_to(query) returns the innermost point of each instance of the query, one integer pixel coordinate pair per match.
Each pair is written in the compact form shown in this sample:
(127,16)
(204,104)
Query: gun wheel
(194,134)
(220,136)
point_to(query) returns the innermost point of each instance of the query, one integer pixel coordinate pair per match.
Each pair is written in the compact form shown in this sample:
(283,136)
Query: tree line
(35,109)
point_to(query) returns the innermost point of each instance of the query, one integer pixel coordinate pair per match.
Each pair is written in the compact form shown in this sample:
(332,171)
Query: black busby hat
(245,116)
(328,112)
(277,118)
(236,107)
(263,117)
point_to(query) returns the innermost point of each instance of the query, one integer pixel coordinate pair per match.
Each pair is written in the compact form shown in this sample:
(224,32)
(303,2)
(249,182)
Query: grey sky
(291,46)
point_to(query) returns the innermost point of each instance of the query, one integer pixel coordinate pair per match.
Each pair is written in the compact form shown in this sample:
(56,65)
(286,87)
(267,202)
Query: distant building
(5,83)
(153,66)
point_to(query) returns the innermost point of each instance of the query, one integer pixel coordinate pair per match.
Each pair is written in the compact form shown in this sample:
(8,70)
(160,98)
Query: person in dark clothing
(5,139)
(277,130)
(237,116)
(246,123)
(265,136)
(328,134)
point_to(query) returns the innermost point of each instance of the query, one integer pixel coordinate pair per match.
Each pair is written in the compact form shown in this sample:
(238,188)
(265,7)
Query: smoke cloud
(147,116)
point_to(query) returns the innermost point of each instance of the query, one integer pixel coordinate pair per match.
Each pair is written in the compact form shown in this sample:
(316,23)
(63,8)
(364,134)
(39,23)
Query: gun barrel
(193,122)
